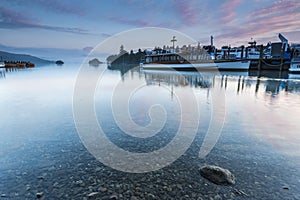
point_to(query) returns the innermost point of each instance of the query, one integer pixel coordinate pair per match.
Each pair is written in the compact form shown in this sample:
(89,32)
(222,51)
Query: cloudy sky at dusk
(79,24)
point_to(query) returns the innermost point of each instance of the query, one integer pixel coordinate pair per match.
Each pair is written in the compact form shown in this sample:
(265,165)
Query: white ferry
(179,62)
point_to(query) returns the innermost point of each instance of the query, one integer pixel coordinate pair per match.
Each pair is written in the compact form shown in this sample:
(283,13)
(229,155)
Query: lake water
(254,125)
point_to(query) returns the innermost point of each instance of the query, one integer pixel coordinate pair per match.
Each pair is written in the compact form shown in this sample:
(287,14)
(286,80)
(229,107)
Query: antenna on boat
(173,41)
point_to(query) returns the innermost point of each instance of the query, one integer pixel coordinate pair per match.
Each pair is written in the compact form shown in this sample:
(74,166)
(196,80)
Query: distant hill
(23,57)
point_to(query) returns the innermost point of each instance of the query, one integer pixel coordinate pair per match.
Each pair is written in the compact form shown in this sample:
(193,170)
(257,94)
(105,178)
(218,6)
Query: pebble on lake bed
(39,195)
(93,194)
(217,175)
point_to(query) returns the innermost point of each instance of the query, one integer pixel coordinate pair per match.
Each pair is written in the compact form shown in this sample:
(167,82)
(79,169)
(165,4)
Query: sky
(75,26)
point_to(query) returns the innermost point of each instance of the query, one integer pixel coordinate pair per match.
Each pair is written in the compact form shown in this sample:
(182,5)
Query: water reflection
(243,80)
(273,95)
(274,74)
(182,79)
(4,71)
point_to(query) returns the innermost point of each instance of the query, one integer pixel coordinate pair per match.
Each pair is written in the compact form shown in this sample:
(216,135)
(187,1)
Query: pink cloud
(229,11)
(280,16)
(187,11)
(277,7)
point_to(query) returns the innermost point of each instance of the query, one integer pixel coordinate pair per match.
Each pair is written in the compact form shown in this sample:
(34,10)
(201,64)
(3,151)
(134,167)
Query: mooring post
(260,57)
(282,57)
(242,52)
(292,53)
(215,53)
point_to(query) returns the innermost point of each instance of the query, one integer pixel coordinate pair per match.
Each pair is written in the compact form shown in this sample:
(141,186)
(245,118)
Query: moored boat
(295,61)
(2,64)
(178,62)
(29,65)
(21,65)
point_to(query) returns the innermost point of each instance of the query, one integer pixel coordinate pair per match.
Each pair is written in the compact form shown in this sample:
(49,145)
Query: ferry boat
(295,61)
(169,60)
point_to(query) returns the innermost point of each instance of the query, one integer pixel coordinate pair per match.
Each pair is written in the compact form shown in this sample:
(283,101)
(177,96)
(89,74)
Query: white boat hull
(295,67)
(230,65)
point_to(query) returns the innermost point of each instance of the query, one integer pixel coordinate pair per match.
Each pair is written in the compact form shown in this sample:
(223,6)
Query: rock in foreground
(217,175)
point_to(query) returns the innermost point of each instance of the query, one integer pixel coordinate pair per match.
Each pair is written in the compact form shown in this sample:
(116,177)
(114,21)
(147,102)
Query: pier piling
(282,57)
(260,57)
(242,52)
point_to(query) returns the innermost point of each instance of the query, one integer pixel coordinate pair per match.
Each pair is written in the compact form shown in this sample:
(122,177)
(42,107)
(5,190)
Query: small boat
(21,65)
(29,65)
(2,64)
(295,61)
(176,61)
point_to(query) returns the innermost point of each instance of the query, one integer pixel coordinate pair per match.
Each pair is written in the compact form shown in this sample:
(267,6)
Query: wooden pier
(19,65)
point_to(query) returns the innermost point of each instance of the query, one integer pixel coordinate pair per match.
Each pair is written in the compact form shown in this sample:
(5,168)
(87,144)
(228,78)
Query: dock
(20,64)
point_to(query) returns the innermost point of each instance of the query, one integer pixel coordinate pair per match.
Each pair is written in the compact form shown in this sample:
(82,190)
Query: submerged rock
(285,187)
(39,195)
(217,175)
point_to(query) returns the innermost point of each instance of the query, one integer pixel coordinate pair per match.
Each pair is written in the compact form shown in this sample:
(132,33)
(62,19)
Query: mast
(173,41)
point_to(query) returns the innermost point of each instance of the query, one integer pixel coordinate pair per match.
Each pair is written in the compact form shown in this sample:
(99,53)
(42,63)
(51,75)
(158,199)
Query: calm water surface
(40,150)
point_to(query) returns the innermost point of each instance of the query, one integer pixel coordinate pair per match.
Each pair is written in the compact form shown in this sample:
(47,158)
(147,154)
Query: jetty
(19,64)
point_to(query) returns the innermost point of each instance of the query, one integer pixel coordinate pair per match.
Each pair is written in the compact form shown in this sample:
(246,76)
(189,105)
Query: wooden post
(257,85)
(239,82)
(260,57)
(242,53)
(282,57)
(215,53)
(292,53)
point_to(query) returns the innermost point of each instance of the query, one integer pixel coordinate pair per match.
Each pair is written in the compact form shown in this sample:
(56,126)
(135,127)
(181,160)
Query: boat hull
(2,64)
(295,67)
(217,65)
